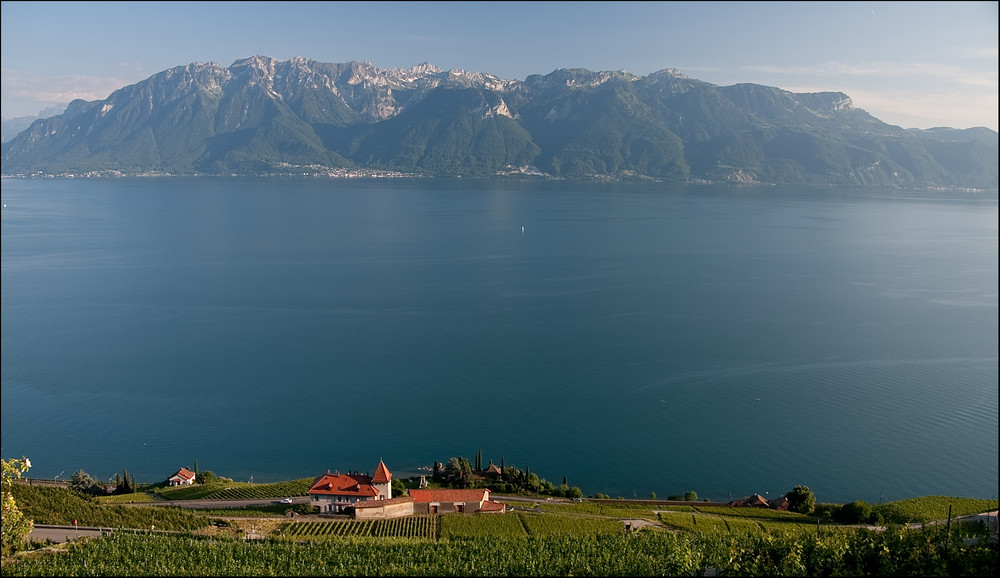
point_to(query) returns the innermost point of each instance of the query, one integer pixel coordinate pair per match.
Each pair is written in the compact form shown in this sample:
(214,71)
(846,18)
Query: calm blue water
(633,338)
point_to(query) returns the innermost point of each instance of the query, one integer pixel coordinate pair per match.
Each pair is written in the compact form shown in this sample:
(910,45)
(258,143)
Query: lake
(634,338)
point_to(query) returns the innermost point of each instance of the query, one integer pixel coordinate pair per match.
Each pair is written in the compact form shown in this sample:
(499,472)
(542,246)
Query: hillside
(261,116)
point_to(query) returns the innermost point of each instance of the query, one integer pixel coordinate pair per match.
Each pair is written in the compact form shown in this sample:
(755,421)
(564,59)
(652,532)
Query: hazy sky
(913,64)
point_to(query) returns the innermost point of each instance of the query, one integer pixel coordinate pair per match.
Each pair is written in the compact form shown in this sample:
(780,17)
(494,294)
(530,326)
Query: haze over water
(634,338)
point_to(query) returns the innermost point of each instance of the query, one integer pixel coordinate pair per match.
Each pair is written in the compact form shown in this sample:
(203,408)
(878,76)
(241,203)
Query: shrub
(856,512)
(206,477)
(801,499)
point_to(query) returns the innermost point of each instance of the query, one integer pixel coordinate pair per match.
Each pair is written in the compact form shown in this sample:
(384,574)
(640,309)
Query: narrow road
(220,504)
(60,534)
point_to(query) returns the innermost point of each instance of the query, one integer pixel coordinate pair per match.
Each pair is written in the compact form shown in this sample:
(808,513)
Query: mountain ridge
(300,116)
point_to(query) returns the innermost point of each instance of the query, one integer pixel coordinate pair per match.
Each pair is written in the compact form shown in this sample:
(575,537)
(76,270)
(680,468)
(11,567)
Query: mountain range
(261,116)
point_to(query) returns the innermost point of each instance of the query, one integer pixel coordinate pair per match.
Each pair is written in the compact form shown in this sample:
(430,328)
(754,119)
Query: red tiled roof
(382,474)
(184,473)
(450,495)
(755,500)
(344,485)
(380,503)
(489,506)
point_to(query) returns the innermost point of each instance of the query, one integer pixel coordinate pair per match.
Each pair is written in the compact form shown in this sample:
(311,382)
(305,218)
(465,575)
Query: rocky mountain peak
(264,116)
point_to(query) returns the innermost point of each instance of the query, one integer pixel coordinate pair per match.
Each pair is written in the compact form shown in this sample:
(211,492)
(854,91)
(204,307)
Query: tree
(83,482)
(399,488)
(801,500)
(856,512)
(532,483)
(691,496)
(458,473)
(206,477)
(15,528)
(652,495)
(125,483)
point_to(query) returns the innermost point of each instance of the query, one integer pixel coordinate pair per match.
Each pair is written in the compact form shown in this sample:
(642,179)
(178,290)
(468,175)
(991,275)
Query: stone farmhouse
(334,493)
(370,498)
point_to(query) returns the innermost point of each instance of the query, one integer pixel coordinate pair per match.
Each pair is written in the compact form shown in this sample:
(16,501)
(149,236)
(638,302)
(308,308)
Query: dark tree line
(459,472)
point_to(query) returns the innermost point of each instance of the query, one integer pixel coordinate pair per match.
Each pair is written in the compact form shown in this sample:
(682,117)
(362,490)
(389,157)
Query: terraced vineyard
(568,539)
(483,526)
(261,491)
(896,552)
(767,523)
(564,525)
(419,527)
(237,490)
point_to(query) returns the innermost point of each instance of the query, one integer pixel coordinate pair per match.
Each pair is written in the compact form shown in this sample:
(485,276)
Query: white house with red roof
(183,477)
(334,493)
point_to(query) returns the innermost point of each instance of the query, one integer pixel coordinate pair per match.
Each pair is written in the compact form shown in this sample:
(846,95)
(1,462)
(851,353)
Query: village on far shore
(369,497)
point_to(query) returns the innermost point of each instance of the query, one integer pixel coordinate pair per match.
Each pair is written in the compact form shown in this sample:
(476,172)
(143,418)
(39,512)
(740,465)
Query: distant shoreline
(375,175)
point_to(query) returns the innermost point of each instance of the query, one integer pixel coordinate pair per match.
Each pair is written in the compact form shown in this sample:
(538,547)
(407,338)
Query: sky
(911,64)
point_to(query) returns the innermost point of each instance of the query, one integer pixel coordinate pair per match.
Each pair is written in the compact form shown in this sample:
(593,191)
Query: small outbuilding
(183,477)
(445,501)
